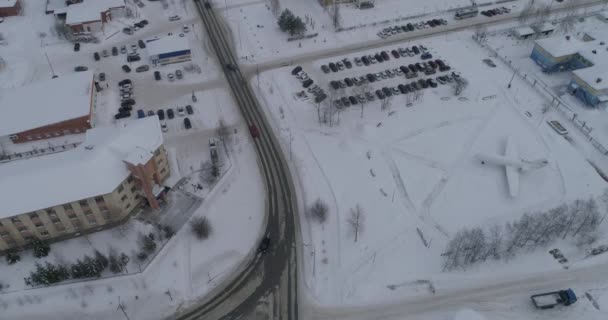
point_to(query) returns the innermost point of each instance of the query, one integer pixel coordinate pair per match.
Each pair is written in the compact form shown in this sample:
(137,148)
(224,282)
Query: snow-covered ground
(414,168)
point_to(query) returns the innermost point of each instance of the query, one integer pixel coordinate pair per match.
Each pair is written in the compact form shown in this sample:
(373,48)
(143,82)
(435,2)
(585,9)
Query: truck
(551,299)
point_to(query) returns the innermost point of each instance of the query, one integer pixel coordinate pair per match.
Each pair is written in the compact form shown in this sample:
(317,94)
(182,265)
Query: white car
(171,77)
(186,29)
(163,126)
(180,111)
(174,18)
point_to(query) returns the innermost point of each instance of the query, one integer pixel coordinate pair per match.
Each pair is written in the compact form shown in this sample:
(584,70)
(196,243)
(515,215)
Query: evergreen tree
(92,268)
(297,26)
(101,260)
(40,248)
(285,20)
(147,244)
(12,256)
(77,269)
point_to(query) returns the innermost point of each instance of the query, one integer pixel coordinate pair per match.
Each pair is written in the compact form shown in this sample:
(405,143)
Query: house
(523,32)
(590,85)
(91,15)
(10,8)
(169,50)
(94,186)
(47,109)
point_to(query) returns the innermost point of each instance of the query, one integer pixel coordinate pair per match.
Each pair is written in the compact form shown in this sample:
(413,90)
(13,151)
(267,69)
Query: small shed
(523,32)
(545,29)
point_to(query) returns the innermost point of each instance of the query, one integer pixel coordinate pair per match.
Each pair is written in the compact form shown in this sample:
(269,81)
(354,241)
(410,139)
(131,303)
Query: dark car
(395,54)
(334,84)
(170,113)
(431,83)
(140,114)
(264,245)
(81,68)
(325,69)
(189,109)
(161,114)
(320,98)
(125,109)
(431,23)
(333,67)
(410,27)
(96,56)
(379,57)
(385,55)
(121,115)
(433,64)
(414,85)
(126,68)
(307,83)
(345,101)
(422,83)
(141,44)
(187,123)
(371,77)
(380,94)
(296,70)
(412,68)
(157,75)
(114,51)
(401,88)
(142,68)
(387,91)
(127,103)
(348,64)
(419,67)
(405,28)
(365,60)
(254,131)
(353,100)
(124,81)
(76,46)
(416,50)
(426,56)
(348,82)
(133,58)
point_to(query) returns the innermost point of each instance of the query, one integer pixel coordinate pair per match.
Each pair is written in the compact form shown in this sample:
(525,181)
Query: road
(269,281)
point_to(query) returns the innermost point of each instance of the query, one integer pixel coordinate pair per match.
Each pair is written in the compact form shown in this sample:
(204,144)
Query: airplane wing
(511,171)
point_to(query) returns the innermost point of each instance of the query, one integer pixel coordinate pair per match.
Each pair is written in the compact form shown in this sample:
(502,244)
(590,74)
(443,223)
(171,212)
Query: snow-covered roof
(88,11)
(95,167)
(559,46)
(45,102)
(167,44)
(523,31)
(545,27)
(7,3)
(590,76)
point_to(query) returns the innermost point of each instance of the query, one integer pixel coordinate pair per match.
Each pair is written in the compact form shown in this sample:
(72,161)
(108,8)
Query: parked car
(121,115)
(296,70)
(431,83)
(370,96)
(334,84)
(358,61)
(179,74)
(416,50)
(185,29)
(385,55)
(140,114)
(161,114)
(380,94)
(347,63)
(105,53)
(150,113)
(348,82)
(123,49)
(142,68)
(81,68)
(340,65)
(170,113)
(133,57)
(395,54)
(76,46)
(127,30)
(114,51)
(127,103)
(187,123)
(189,109)
(180,111)
(333,67)
(157,75)
(126,68)
(101,76)
(365,60)
(345,101)
(387,92)
(163,127)
(307,83)
(96,56)
(141,44)
(426,56)
(353,100)
(379,57)
(254,131)
(174,18)
(325,69)
(170,76)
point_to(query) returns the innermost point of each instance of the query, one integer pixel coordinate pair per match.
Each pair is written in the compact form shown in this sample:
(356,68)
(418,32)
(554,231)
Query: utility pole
(50,66)
(509,85)
(122,308)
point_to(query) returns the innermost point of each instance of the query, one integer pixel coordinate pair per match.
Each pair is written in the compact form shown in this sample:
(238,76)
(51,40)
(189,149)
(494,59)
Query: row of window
(52,134)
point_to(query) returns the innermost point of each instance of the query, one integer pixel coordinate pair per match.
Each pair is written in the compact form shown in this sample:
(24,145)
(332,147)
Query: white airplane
(514,165)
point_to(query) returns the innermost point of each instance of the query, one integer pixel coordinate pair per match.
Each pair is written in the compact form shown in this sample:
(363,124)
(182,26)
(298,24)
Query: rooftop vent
(594,51)
(598,80)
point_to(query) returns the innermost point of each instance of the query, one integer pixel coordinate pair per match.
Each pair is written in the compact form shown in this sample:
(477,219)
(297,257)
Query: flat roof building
(91,15)
(115,170)
(523,32)
(10,8)
(168,50)
(48,108)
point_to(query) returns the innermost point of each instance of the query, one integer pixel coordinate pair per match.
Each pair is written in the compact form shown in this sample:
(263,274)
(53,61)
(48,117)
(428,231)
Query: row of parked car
(181,111)
(391,31)
(127,100)
(495,11)
(136,26)
(131,56)
(378,57)
(411,71)
(308,83)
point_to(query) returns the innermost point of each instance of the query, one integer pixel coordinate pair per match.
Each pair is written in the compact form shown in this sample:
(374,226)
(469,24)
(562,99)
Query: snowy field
(413,168)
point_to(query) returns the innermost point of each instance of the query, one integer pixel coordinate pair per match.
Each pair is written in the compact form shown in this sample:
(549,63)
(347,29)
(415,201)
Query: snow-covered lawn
(413,168)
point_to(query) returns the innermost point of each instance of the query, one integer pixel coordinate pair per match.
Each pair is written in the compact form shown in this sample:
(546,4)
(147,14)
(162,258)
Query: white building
(169,50)
(91,15)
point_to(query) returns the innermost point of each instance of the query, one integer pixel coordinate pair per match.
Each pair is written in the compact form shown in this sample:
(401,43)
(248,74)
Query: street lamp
(509,85)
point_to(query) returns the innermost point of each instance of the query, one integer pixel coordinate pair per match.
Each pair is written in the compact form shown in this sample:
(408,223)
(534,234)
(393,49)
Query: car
(489,62)
(142,68)
(150,113)
(307,83)
(338,104)
(170,76)
(371,77)
(180,111)
(127,30)
(141,44)
(370,96)
(189,109)
(264,245)
(185,29)
(333,67)
(125,109)
(410,26)
(126,68)
(179,74)
(353,100)
(387,92)
(187,123)
(101,76)
(170,113)
(81,68)
(105,53)
(372,59)
(345,101)
(254,131)
(325,69)
(319,98)
(379,57)
(441,79)
(390,74)
(358,61)
(138,25)
(133,58)
(349,82)
(313,88)
(340,65)
(157,75)
(426,56)
(429,71)
(121,115)
(396,54)
(385,55)
(415,50)
(347,63)
(422,83)
(431,23)
(365,60)
(123,49)
(334,84)
(126,95)
(431,83)
(96,56)
(395,91)
(433,64)
(144,22)
(76,47)
(174,18)
(127,103)
(341,84)
(296,70)
(380,94)
(140,114)
(401,88)
(161,114)
(163,127)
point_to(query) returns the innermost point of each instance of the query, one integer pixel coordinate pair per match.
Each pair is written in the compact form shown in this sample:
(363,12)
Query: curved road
(269,280)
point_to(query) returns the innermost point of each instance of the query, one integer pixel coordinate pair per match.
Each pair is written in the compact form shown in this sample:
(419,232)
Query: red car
(254,131)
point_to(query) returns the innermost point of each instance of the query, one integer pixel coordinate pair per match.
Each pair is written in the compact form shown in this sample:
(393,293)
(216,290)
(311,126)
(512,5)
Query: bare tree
(201,227)
(527,11)
(568,22)
(275,7)
(356,219)
(385,104)
(223,131)
(335,15)
(362,90)
(480,32)
(318,211)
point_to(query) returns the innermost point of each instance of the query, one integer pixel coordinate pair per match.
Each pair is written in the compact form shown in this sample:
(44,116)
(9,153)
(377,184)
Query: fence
(556,102)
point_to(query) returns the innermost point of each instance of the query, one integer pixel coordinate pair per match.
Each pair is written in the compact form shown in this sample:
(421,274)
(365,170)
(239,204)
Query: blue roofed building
(169,50)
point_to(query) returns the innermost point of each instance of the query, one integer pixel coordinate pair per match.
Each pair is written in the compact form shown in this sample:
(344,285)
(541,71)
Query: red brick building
(10,8)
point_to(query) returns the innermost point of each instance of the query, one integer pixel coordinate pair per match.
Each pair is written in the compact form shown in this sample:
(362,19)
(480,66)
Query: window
(133,188)
(22,229)
(4,234)
(67,207)
(14,137)
(162,170)
(54,218)
(44,233)
(59,227)
(130,179)
(38,224)
(123,198)
(72,216)
(92,221)
(120,188)
(84,204)
(32,215)
(128,206)
(15,220)
(88,212)
(99,201)
(52,212)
